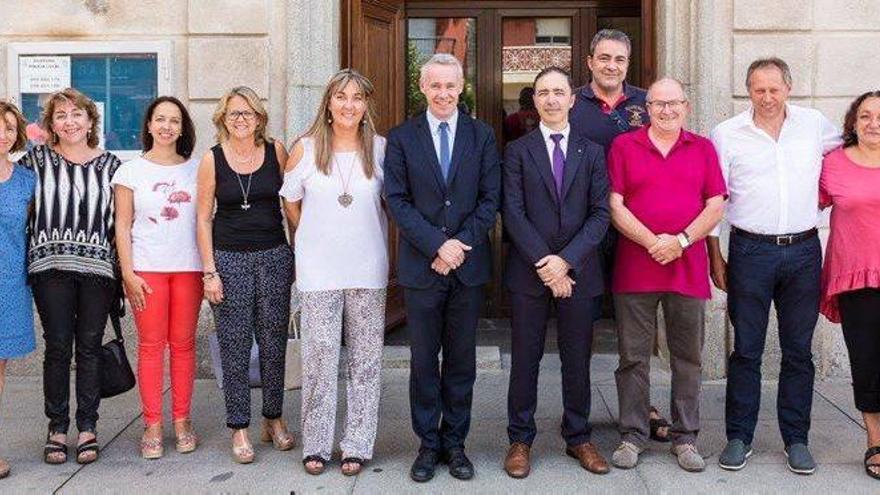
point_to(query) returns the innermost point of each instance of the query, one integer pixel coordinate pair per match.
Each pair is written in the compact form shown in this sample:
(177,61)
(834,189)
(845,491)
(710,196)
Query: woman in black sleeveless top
(248,265)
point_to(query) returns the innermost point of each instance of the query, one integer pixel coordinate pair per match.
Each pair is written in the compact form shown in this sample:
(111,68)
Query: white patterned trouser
(360,313)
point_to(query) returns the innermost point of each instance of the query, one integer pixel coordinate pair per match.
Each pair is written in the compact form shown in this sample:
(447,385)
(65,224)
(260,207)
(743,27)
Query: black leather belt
(779,240)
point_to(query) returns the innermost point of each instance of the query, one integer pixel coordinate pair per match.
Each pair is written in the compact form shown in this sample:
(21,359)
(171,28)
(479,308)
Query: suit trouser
(759,273)
(326,314)
(574,335)
(442,318)
(256,305)
(636,331)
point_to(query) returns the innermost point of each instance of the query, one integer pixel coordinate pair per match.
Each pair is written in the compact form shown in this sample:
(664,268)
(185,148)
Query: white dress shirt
(774,184)
(434,125)
(551,145)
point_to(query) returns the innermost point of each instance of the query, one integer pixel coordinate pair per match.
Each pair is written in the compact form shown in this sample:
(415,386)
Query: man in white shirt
(771,157)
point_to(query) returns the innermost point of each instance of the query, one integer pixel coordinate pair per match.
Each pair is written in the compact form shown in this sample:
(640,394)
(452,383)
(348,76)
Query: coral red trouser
(169,320)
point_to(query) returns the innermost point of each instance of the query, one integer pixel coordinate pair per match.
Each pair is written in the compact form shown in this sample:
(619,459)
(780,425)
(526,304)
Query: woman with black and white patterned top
(71,259)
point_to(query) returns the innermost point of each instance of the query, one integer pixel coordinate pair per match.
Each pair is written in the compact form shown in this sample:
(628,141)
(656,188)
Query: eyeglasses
(673,105)
(235,115)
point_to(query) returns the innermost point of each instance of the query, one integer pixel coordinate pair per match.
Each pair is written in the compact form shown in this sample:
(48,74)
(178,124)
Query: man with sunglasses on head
(605,108)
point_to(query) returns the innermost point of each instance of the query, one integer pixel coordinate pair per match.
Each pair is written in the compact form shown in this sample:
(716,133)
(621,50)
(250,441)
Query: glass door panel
(452,35)
(528,45)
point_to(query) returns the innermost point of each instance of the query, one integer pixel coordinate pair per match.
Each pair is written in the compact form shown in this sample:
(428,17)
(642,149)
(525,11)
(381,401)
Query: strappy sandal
(352,460)
(242,454)
(151,446)
(314,471)
(187,441)
(281,441)
(84,450)
(54,447)
(871,452)
(656,424)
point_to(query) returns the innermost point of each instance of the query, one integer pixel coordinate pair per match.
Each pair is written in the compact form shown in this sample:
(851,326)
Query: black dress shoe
(459,465)
(423,467)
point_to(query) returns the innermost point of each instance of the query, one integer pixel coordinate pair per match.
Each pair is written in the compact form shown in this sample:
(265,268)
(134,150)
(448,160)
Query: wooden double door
(501,45)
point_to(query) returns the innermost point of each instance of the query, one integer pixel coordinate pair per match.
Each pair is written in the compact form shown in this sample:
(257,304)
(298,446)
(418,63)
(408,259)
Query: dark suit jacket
(538,223)
(429,210)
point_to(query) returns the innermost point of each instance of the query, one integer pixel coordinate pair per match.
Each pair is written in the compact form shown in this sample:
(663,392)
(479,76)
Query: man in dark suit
(556,213)
(442,183)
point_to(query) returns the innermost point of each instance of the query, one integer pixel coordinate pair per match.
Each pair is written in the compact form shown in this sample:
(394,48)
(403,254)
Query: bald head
(667,106)
(667,86)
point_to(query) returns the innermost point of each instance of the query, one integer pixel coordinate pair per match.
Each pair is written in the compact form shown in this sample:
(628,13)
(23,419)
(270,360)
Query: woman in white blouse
(333,199)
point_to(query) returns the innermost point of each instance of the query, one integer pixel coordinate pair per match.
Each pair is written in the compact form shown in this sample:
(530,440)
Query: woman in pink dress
(850,182)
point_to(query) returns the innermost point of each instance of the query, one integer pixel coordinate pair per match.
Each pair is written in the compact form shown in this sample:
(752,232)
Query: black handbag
(116,374)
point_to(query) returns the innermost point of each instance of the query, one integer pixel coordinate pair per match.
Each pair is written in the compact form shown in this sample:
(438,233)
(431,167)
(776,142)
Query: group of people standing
(608,192)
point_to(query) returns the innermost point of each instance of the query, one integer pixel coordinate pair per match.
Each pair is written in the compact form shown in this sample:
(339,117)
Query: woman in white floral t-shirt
(161,268)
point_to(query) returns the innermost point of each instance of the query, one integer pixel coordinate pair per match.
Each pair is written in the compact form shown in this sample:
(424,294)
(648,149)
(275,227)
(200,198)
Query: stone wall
(217,44)
(830,45)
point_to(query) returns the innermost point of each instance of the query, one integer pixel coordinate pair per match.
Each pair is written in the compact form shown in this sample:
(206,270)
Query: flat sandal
(352,460)
(53,447)
(314,471)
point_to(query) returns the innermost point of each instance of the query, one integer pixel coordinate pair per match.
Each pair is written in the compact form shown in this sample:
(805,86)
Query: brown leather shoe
(517,461)
(589,457)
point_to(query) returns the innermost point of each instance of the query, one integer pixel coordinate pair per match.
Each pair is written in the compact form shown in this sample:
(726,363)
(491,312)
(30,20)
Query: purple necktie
(558,164)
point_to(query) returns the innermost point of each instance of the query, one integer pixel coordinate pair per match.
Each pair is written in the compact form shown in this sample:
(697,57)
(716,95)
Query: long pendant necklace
(244,192)
(345,199)
(247,163)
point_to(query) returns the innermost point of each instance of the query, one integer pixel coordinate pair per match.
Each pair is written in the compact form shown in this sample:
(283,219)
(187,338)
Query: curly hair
(850,138)
(79,100)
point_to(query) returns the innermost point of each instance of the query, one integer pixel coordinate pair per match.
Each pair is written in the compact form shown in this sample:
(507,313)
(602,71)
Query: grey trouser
(326,314)
(636,330)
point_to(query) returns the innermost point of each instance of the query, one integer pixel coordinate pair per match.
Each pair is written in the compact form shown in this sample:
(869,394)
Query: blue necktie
(444,149)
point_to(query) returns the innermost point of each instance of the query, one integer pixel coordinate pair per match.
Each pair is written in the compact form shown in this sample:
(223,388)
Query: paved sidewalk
(837,439)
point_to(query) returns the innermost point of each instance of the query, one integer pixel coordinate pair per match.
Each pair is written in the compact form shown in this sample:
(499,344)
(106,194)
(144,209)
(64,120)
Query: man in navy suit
(442,184)
(556,213)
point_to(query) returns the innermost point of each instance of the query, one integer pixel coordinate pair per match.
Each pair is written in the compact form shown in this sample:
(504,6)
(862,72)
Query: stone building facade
(287,49)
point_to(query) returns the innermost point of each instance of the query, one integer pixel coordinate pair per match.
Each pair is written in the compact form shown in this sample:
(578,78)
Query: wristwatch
(683,239)
(208,276)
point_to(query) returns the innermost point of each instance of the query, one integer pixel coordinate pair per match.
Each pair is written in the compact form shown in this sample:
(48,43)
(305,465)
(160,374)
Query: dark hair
(554,70)
(526,96)
(850,138)
(187,140)
(613,35)
(763,63)
(20,125)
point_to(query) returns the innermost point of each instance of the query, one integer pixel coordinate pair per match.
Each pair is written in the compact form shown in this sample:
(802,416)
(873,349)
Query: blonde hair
(79,100)
(321,130)
(20,125)
(253,100)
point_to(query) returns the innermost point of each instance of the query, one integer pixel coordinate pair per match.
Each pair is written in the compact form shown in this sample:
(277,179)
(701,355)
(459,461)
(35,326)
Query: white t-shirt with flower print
(164,231)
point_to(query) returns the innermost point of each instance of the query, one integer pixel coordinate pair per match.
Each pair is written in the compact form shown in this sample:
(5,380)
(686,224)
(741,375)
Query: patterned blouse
(71,229)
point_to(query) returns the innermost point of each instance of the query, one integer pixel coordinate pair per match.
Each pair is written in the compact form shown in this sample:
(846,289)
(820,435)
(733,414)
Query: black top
(257,224)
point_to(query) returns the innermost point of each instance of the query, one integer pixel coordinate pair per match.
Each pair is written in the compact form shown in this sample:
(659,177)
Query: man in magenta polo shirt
(667,194)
